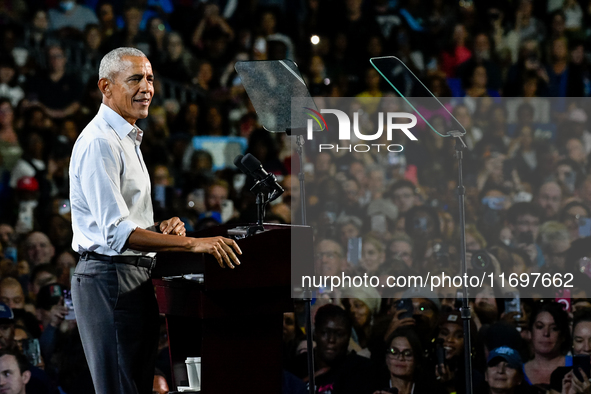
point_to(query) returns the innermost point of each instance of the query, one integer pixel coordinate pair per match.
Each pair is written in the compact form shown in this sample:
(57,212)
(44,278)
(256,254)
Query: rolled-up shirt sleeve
(100,170)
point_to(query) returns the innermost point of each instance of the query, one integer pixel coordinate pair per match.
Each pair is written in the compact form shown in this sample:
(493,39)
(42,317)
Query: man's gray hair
(111,62)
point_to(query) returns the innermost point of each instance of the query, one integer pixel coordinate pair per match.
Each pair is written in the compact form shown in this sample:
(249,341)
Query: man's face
(329,258)
(39,249)
(502,377)
(215,196)
(527,223)
(13,296)
(6,335)
(404,199)
(549,199)
(332,339)
(12,381)
(131,91)
(57,59)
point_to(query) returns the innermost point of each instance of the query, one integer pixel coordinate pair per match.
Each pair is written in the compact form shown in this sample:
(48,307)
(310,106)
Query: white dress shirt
(109,185)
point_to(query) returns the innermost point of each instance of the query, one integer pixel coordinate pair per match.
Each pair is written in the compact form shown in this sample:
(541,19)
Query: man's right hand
(221,248)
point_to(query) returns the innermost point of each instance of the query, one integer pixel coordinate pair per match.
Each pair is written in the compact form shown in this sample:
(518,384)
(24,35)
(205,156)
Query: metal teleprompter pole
(465,309)
(307,291)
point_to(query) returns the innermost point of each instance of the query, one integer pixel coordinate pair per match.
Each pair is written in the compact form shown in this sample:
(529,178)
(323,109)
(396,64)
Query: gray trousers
(117,317)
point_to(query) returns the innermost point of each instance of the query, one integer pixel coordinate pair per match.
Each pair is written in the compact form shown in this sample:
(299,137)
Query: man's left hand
(173,226)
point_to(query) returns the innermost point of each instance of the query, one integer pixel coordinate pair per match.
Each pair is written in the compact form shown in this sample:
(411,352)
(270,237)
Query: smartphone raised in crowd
(582,361)
(69,304)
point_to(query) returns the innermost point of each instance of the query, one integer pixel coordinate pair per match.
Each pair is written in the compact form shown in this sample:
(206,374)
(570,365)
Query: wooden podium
(233,319)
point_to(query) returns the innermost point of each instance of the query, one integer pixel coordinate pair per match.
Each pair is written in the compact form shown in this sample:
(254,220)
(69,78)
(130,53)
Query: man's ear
(26,377)
(104,85)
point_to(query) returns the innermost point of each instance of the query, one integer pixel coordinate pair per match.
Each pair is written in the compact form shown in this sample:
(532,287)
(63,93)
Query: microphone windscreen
(252,163)
(238,161)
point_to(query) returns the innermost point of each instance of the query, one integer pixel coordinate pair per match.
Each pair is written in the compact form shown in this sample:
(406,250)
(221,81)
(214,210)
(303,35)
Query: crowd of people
(516,76)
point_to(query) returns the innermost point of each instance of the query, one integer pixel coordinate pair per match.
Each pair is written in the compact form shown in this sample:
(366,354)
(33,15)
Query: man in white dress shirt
(115,233)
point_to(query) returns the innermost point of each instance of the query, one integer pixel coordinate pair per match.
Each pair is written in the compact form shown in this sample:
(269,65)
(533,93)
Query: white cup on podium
(194,372)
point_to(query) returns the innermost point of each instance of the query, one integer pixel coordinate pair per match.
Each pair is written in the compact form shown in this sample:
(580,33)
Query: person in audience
(550,340)
(406,366)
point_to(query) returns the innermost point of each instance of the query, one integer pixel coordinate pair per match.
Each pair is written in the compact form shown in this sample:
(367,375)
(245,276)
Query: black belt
(138,261)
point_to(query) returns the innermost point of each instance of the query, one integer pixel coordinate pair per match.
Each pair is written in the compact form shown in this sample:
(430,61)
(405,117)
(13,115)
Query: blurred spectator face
(6,337)
(11,293)
(360,313)
(6,115)
(527,223)
(93,38)
(291,195)
(332,340)
(404,199)
(558,25)
(472,244)
(329,258)
(64,263)
(289,326)
(562,172)
(400,358)
(372,79)
(6,233)
(453,339)
(6,73)
(70,130)
(482,47)
(374,46)
(479,77)
(556,256)
(57,59)
(485,305)
(40,21)
(371,257)
(175,46)
(205,73)
(459,36)
(576,151)
(501,378)
(351,190)
(463,116)
(133,17)
(582,338)
(19,336)
(216,194)
(559,50)
(549,199)
(357,171)
(402,250)
(12,380)
(322,165)
(545,335)
(157,28)
(268,23)
(105,13)
(39,249)
(161,176)
(43,278)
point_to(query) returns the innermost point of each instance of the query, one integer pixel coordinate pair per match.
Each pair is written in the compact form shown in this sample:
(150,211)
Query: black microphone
(241,167)
(254,167)
(265,182)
